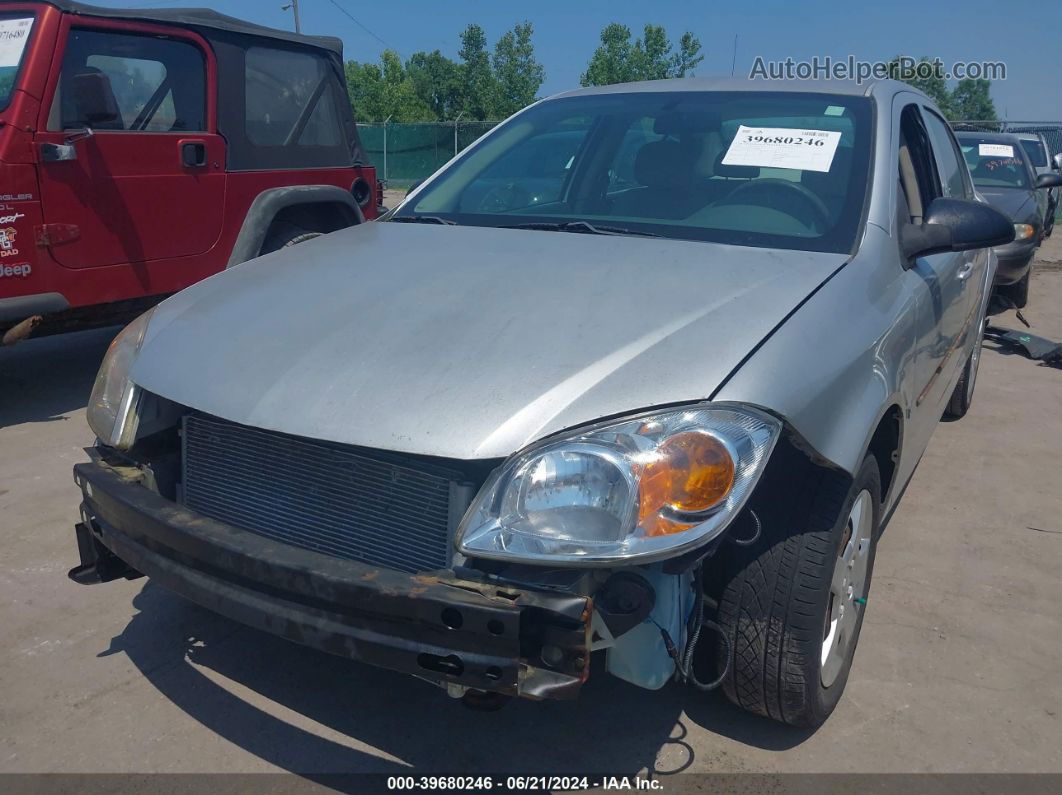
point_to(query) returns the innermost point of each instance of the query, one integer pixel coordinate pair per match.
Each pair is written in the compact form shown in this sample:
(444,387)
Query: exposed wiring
(697,622)
(744,542)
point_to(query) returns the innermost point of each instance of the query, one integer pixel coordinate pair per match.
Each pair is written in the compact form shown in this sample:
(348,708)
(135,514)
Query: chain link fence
(1052,130)
(404,153)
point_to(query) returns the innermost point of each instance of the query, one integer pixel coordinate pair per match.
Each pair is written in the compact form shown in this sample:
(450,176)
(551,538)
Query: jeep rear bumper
(477,634)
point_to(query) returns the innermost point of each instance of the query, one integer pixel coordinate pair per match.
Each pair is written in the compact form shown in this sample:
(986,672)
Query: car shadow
(43,379)
(262,693)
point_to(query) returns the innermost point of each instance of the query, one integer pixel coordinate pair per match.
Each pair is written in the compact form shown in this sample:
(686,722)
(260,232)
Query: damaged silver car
(653,404)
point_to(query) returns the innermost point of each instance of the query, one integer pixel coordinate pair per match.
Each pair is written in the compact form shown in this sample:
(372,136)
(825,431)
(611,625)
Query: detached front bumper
(1014,259)
(477,634)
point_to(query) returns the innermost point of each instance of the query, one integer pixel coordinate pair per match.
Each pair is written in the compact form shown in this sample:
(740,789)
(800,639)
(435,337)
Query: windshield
(14,34)
(1036,153)
(993,164)
(780,170)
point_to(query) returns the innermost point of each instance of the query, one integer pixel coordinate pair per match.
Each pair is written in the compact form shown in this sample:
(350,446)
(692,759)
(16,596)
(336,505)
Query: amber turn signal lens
(691,472)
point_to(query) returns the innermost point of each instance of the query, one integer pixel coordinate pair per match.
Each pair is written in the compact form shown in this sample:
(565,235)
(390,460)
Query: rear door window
(289,99)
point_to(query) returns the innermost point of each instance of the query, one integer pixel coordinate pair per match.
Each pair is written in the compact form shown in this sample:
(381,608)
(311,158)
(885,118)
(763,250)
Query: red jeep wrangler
(143,150)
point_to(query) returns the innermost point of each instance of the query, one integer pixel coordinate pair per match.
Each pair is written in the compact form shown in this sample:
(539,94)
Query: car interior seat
(93,101)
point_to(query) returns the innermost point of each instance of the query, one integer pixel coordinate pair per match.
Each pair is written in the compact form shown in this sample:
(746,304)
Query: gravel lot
(958,669)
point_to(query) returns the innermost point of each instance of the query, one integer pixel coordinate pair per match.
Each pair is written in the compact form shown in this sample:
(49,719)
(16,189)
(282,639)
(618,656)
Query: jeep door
(130,168)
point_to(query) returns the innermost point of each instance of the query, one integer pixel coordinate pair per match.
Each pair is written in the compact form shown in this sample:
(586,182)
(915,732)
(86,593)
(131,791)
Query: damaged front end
(453,630)
(352,551)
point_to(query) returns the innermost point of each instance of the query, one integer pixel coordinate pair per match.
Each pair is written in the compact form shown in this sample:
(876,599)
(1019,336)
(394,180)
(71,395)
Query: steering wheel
(505,197)
(810,210)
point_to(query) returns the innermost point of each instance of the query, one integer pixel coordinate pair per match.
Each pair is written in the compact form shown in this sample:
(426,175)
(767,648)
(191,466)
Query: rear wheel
(962,396)
(287,235)
(792,605)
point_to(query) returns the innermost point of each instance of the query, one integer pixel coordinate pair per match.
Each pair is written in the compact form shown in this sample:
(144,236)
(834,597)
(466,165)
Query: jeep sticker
(7,242)
(23,270)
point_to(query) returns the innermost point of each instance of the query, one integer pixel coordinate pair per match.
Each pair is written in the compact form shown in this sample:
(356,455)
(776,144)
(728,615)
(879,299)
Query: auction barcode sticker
(781,147)
(14,33)
(995,150)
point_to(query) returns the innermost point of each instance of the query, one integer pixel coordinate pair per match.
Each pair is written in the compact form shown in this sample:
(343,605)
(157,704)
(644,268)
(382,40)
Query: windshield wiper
(583,227)
(421,219)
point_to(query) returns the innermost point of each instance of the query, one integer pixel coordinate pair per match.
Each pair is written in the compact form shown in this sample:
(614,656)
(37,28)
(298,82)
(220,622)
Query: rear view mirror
(957,225)
(94,98)
(1049,181)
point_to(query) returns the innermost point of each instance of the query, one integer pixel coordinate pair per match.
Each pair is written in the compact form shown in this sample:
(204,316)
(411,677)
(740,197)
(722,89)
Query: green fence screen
(404,153)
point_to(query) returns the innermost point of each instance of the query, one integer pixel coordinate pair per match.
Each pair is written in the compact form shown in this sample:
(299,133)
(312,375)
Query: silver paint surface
(472,342)
(466,342)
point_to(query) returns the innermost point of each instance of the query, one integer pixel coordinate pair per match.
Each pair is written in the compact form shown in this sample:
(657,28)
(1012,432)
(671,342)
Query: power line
(356,22)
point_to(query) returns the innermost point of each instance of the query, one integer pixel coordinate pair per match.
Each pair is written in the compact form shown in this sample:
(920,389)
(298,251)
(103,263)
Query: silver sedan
(641,375)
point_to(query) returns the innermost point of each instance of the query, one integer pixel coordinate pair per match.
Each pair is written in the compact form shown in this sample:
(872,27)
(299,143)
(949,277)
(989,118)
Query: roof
(987,137)
(1029,136)
(198,18)
(853,88)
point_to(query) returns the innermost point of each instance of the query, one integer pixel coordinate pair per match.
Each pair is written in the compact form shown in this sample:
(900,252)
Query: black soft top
(230,39)
(198,18)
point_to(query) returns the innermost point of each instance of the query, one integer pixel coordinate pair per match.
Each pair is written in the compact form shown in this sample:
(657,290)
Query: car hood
(1016,203)
(467,342)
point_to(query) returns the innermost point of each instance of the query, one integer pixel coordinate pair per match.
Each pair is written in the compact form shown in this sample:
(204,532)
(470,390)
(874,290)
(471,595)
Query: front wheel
(1018,292)
(793,603)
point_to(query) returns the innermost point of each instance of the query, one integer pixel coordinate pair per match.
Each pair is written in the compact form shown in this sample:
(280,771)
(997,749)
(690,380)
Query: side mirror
(1058,161)
(94,99)
(416,184)
(956,225)
(1049,181)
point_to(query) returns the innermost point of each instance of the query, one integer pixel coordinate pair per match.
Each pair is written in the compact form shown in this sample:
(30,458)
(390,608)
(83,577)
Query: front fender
(838,364)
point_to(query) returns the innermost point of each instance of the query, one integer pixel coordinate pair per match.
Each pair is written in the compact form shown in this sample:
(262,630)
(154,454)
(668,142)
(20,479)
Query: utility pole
(294,6)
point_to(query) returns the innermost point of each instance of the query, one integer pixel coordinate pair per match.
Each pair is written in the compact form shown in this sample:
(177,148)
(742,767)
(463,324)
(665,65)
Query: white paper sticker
(995,150)
(14,33)
(781,147)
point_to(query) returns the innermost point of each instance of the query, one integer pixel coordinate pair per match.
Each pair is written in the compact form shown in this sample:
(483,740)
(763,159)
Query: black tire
(285,236)
(775,602)
(1018,292)
(962,395)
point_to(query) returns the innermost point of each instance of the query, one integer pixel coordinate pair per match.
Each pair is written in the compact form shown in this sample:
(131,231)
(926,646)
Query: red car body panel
(126,219)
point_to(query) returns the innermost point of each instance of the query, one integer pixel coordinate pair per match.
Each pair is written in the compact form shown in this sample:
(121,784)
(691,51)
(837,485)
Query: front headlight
(635,490)
(112,408)
(1024,231)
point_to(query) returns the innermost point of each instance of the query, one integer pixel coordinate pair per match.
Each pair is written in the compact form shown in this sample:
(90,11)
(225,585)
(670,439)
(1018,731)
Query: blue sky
(566,33)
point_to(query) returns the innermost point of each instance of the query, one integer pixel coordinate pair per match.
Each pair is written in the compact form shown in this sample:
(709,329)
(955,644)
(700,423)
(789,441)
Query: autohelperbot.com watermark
(852,68)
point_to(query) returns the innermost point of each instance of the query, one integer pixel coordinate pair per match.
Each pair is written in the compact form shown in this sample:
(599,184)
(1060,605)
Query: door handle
(193,154)
(966,271)
(58,153)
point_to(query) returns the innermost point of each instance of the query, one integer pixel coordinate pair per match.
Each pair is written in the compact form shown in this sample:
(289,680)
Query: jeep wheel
(288,235)
(792,605)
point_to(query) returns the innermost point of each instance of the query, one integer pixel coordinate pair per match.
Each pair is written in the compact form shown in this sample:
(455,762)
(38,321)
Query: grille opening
(375,507)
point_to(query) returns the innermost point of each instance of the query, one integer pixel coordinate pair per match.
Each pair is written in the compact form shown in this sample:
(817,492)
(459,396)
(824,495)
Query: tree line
(488,84)
(970,99)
